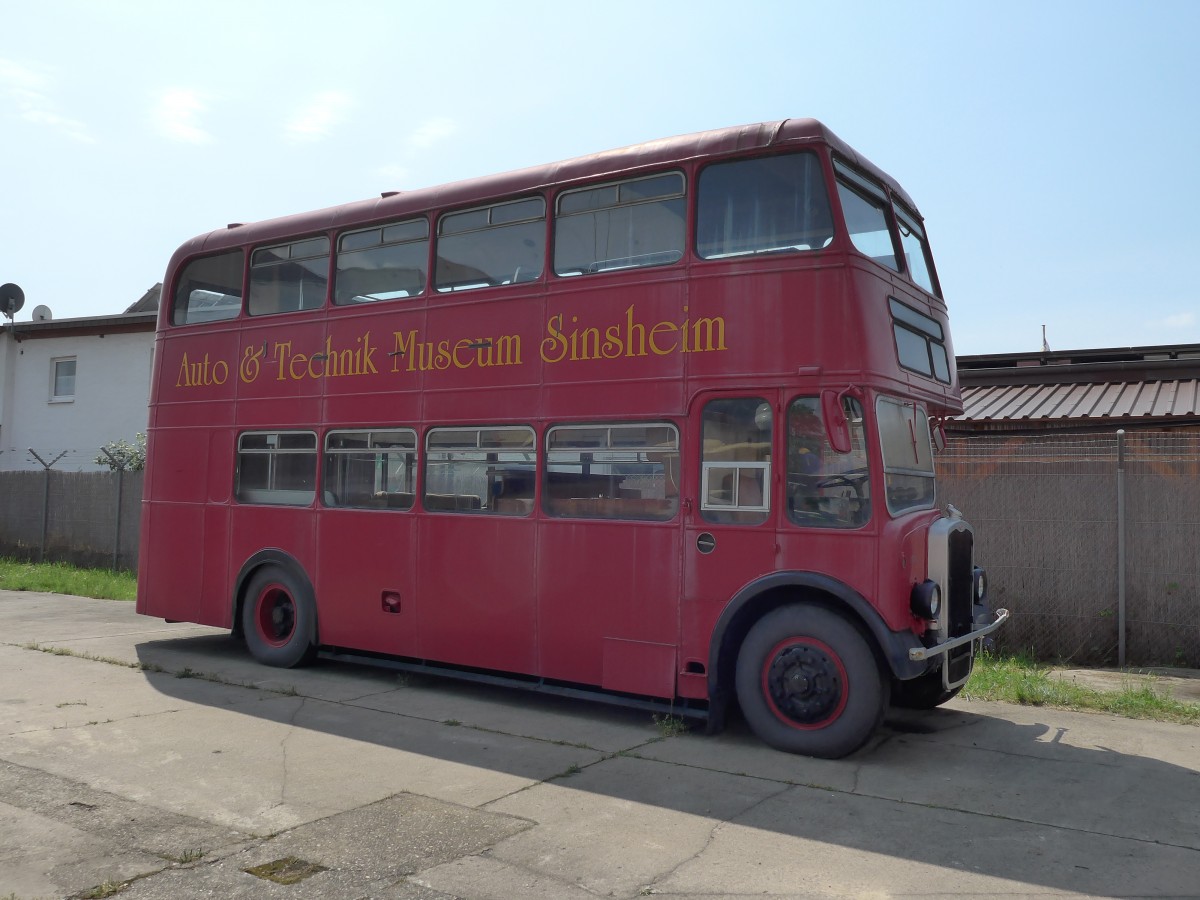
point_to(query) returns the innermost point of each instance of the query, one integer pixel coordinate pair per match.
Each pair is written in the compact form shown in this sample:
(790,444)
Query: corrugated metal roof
(1163,399)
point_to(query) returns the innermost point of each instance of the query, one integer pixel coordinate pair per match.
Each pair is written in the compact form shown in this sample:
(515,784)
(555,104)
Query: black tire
(923,692)
(808,682)
(279,618)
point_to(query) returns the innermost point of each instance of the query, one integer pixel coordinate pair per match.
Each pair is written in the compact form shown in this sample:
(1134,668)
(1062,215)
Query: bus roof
(618,162)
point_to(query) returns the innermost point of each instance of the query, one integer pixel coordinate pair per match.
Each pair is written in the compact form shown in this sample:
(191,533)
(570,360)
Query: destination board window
(209,289)
(370,469)
(277,467)
(622,225)
(920,342)
(612,471)
(826,489)
(491,245)
(289,277)
(480,470)
(385,263)
(770,204)
(735,467)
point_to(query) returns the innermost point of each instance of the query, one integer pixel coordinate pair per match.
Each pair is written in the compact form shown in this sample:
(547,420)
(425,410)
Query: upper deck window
(763,205)
(209,289)
(382,263)
(622,225)
(916,250)
(501,244)
(865,208)
(289,277)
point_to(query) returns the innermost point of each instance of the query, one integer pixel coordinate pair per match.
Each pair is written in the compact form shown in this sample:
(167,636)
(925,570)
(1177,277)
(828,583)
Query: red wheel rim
(804,683)
(275,615)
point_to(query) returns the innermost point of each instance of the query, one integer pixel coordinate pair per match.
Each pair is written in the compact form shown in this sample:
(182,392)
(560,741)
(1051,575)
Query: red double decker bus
(652,425)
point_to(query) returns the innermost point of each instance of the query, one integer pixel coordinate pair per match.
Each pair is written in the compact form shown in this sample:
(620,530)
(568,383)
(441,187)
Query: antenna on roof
(1045,344)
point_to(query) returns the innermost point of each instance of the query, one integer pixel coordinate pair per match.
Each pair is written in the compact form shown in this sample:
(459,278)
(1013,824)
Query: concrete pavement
(162,758)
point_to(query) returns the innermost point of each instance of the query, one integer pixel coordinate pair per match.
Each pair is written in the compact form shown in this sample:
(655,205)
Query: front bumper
(917,654)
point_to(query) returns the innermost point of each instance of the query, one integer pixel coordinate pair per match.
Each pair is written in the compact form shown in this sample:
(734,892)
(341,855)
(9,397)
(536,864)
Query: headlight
(926,600)
(980,585)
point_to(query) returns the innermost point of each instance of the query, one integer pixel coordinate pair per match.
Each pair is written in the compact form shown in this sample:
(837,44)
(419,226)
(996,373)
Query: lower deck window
(370,469)
(277,467)
(480,470)
(612,471)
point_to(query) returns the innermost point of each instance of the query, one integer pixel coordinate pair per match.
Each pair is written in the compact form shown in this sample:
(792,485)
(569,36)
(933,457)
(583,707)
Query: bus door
(730,536)
(476,581)
(608,544)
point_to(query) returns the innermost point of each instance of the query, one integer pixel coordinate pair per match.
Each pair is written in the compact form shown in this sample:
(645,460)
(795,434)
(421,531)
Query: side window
(620,226)
(612,471)
(864,207)
(209,289)
(289,277)
(277,467)
(766,205)
(382,263)
(480,470)
(826,489)
(370,469)
(735,466)
(502,244)
(920,342)
(62,379)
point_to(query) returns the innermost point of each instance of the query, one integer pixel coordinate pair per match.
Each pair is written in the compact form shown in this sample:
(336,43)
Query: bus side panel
(366,582)
(290,529)
(605,582)
(476,590)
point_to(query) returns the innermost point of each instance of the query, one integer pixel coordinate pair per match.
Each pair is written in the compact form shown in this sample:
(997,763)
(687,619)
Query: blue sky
(1051,146)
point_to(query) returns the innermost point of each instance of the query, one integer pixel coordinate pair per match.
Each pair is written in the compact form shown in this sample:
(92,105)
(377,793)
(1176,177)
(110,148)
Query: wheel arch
(267,557)
(781,588)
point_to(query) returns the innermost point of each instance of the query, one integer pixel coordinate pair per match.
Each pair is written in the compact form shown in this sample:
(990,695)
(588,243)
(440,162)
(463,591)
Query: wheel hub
(804,683)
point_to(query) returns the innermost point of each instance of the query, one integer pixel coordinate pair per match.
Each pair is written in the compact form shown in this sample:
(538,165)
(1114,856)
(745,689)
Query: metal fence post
(119,465)
(1121,547)
(45,499)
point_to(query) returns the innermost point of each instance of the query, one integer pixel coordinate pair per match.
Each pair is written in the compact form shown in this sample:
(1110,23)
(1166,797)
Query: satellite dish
(42,313)
(12,298)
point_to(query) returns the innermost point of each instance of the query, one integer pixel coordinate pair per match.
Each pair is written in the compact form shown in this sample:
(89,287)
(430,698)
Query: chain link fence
(1093,542)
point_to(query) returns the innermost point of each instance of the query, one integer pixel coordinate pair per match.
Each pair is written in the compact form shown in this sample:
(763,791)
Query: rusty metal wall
(1045,510)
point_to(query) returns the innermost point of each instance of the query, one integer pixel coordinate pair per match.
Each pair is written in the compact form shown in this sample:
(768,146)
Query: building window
(62,380)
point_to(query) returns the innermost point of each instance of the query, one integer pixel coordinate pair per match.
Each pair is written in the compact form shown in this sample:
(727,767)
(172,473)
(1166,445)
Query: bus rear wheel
(808,682)
(279,618)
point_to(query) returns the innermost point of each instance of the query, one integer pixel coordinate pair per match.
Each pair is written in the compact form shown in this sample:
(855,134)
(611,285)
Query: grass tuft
(1020,679)
(60,578)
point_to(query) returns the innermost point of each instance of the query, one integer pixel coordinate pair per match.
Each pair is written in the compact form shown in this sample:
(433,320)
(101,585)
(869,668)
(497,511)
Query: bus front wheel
(279,618)
(808,682)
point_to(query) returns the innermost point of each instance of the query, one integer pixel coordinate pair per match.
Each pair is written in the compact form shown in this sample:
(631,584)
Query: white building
(69,387)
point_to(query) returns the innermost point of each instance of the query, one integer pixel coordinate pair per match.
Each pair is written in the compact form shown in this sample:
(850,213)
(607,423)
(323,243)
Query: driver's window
(826,489)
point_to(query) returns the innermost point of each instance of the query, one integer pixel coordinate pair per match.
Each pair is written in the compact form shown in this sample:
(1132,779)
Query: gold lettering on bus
(204,372)
(630,338)
(411,354)
(329,362)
